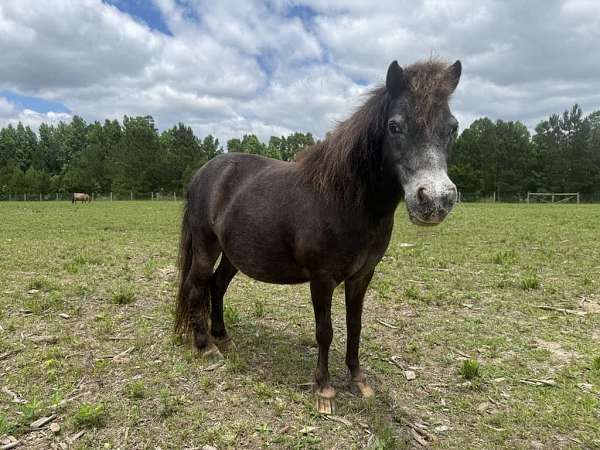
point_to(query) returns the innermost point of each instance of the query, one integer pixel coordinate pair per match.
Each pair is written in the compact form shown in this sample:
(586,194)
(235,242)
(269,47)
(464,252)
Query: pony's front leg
(321,289)
(355,292)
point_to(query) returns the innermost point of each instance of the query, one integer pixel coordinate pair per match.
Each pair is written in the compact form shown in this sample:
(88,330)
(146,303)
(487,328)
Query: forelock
(429,88)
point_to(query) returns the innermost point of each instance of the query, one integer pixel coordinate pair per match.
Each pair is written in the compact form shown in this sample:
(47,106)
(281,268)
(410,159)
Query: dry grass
(85,315)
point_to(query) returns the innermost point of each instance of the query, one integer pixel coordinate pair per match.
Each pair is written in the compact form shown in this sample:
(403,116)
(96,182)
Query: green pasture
(481,333)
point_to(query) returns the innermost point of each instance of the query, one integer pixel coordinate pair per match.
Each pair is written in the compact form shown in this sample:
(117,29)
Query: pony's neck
(352,178)
(347,166)
(384,196)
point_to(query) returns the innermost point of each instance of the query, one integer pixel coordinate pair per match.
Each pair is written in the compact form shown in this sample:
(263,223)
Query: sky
(230,68)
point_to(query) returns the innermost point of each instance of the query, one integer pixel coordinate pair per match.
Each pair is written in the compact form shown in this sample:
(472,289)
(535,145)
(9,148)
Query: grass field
(86,294)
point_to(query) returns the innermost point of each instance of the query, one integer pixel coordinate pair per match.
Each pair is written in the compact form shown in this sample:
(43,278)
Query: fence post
(131,195)
(152,195)
(174,196)
(24,197)
(578,198)
(40,197)
(111,196)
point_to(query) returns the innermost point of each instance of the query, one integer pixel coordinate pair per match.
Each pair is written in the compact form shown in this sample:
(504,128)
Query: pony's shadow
(284,357)
(287,358)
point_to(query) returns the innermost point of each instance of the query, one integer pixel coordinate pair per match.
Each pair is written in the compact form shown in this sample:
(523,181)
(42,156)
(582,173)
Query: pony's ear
(395,81)
(452,75)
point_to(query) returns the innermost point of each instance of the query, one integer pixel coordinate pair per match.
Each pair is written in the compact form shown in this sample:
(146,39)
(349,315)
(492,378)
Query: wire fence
(100,196)
(527,197)
(463,197)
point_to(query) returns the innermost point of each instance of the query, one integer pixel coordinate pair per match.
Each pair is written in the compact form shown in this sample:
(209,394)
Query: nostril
(453,194)
(422,196)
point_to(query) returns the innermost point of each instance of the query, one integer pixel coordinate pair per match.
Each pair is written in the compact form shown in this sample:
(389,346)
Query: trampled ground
(85,333)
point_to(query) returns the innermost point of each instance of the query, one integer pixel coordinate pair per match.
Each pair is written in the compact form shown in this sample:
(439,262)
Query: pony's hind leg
(219,282)
(199,254)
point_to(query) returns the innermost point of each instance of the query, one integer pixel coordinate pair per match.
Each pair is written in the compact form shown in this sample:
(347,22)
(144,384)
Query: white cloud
(6,108)
(239,67)
(10,114)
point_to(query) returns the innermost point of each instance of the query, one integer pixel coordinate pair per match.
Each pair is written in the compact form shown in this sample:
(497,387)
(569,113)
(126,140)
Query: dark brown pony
(81,197)
(325,219)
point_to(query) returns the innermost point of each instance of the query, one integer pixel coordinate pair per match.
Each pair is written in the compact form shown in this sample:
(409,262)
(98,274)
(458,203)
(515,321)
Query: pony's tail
(188,317)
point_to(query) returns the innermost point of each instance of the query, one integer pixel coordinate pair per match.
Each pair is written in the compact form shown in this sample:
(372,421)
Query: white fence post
(131,195)
(111,196)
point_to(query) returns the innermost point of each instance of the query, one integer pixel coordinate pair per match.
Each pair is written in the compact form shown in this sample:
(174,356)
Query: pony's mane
(346,163)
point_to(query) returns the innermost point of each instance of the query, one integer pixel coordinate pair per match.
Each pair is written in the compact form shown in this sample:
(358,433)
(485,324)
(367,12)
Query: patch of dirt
(591,307)
(557,351)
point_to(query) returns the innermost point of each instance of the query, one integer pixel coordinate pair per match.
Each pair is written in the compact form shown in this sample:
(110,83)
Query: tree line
(563,155)
(117,157)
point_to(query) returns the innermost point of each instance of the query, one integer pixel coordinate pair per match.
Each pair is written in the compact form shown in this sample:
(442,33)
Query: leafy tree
(136,161)
(75,138)
(493,157)
(475,154)
(293,143)
(8,144)
(576,136)
(594,149)
(12,179)
(515,157)
(183,155)
(48,154)
(36,181)
(234,145)
(210,147)
(25,146)
(249,144)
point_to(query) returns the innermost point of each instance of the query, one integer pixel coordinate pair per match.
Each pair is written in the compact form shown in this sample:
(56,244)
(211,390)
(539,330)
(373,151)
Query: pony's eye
(453,131)
(394,127)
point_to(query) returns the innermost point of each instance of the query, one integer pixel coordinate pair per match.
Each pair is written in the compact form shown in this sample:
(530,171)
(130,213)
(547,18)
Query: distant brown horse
(81,197)
(326,218)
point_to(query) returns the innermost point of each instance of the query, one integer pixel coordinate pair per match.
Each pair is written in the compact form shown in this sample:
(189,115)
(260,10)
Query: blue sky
(273,67)
(145,11)
(33,103)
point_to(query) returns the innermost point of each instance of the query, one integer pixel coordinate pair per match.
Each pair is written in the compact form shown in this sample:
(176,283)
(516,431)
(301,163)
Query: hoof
(224,343)
(211,351)
(325,400)
(361,389)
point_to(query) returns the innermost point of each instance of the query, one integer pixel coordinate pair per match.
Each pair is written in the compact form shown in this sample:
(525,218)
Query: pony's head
(419,132)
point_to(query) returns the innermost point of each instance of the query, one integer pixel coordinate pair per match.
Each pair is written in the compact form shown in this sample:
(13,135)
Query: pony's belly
(265,263)
(272,273)
(275,278)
